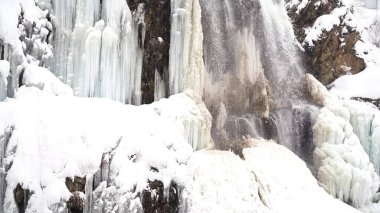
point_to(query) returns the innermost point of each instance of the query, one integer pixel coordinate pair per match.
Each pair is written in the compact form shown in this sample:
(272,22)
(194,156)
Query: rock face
(333,54)
(155,43)
(155,199)
(75,204)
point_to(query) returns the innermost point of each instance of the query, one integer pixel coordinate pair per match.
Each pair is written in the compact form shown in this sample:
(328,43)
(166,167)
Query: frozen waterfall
(104,58)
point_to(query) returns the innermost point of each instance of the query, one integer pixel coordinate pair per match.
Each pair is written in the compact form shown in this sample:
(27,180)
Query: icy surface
(343,166)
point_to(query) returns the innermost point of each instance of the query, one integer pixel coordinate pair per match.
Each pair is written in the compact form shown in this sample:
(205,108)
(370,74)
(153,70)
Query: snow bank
(43,79)
(56,137)
(270,179)
(364,84)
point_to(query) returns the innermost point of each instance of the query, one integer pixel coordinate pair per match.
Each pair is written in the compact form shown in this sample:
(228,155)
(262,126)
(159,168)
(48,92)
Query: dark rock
(76,203)
(155,199)
(76,185)
(21,196)
(334,55)
(155,52)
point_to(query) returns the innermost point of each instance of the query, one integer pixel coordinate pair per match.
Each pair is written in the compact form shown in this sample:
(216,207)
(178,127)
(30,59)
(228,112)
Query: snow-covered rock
(55,137)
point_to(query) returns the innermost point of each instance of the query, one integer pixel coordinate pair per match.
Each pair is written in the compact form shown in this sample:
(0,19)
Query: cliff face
(332,54)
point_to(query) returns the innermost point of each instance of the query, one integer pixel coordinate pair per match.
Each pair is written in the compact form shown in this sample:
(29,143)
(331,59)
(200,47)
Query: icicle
(64,11)
(105,58)
(88,205)
(159,87)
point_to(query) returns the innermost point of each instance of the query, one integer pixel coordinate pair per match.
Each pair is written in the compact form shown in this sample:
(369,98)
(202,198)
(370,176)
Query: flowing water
(254,73)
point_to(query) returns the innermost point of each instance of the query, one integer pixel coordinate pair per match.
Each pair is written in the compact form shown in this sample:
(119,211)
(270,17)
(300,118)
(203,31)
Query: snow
(364,84)
(43,79)
(270,179)
(47,146)
(323,23)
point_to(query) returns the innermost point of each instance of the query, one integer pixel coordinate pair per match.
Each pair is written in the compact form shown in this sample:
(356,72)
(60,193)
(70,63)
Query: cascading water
(254,73)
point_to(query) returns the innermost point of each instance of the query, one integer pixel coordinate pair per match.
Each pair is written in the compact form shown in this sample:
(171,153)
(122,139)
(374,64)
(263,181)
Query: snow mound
(43,79)
(270,179)
(54,137)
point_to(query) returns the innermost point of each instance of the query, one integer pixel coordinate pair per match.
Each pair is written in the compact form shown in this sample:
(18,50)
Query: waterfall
(254,73)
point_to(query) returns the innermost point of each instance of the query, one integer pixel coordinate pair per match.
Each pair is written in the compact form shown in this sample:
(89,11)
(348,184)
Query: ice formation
(343,166)
(4,72)
(105,59)
(186,68)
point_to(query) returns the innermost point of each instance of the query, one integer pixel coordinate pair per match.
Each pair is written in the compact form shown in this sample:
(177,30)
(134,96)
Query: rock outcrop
(332,54)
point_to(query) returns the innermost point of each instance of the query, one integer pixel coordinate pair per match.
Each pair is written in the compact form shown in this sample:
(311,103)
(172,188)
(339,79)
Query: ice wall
(186,68)
(343,168)
(104,58)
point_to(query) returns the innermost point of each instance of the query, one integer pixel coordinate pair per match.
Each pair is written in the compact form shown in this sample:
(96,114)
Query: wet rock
(158,199)
(156,43)
(334,55)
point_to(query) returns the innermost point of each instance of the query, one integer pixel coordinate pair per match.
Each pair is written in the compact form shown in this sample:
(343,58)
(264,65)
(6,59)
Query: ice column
(64,12)
(186,67)
(4,72)
(88,205)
